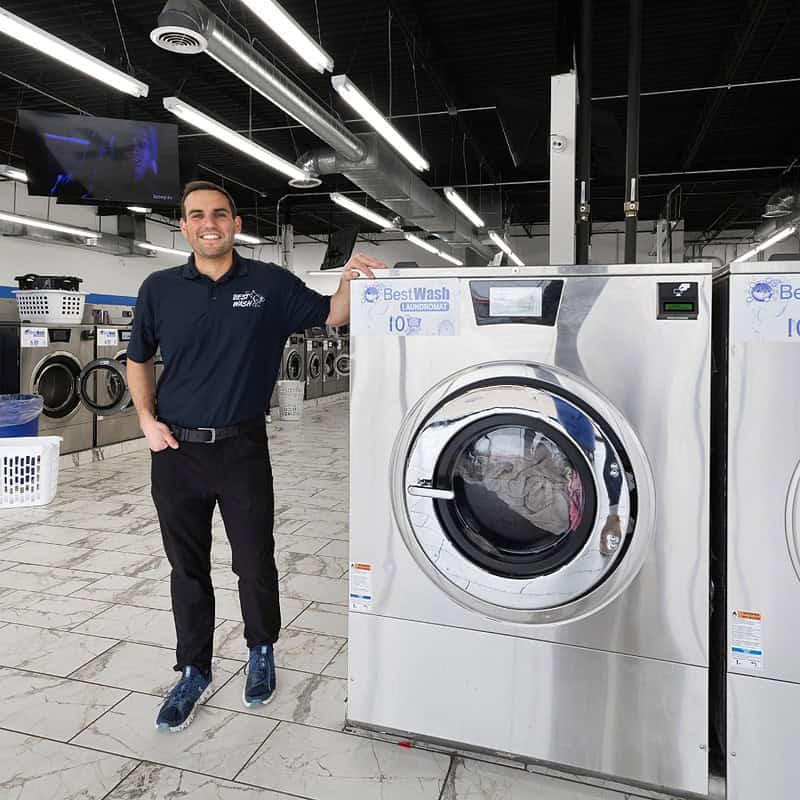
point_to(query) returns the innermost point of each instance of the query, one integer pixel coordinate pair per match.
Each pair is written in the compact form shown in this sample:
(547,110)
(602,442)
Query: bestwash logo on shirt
(250,299)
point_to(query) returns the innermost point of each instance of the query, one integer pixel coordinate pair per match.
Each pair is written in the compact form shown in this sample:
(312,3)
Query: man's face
(209,226)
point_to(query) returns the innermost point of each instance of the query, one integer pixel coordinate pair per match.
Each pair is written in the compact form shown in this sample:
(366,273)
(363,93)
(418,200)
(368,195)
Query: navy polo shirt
(221,342)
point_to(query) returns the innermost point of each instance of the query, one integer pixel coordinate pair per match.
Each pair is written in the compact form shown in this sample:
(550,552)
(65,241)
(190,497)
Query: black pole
(584,232)
(632,155)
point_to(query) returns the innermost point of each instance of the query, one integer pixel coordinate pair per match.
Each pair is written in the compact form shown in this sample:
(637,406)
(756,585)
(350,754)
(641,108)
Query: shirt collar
(238,268)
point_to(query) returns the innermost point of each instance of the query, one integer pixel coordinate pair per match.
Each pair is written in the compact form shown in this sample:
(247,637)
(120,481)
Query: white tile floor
(86,650)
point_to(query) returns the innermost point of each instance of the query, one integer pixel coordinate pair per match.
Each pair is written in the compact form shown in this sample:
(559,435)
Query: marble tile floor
(86,650)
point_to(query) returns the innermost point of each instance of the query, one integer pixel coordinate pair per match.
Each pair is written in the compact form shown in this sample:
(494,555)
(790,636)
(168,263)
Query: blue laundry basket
(19,415)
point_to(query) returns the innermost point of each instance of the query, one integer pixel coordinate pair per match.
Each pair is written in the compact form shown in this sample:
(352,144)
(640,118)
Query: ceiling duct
(781,204)
(188,27)
(389,180)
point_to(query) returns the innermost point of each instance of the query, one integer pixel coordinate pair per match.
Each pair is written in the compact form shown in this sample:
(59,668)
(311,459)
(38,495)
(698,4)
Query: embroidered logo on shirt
(251,299)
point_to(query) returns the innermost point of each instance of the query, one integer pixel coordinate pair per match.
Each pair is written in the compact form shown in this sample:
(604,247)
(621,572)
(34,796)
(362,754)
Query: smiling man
(221,322)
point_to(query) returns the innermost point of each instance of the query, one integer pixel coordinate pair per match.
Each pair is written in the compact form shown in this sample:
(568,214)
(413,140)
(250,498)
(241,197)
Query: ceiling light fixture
(139,209)
(198,119)
(359,103)
(13,173)
(362,211)
(431,249)
(461,204)
(52,46)
(245,238)
(157,248)
(31,222)
(506,249)
(274,16)
(776,237)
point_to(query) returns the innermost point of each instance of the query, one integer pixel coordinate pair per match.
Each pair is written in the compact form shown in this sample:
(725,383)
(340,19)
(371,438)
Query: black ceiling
(468,54)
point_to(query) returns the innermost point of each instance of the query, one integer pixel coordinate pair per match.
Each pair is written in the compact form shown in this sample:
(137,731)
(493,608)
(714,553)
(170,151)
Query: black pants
(186,485)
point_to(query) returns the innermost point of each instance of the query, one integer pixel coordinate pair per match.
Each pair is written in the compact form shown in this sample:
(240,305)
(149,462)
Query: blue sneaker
(178,709)
(259,688)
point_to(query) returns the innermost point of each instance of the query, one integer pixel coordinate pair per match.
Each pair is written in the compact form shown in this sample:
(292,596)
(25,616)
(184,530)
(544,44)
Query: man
(221,322)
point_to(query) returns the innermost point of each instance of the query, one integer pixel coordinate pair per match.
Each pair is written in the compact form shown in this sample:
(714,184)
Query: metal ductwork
(386,178)
(188,27)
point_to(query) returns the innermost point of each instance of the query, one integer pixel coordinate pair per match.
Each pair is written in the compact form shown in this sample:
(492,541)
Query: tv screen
(340,247)
(87,159)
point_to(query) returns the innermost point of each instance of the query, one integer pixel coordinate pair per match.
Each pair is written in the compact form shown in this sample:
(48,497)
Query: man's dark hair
(197,186)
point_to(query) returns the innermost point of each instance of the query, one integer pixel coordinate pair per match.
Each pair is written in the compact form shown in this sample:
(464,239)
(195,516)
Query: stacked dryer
(757,524)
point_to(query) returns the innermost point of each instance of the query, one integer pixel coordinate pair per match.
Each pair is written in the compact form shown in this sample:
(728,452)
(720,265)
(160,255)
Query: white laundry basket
(28,470)
(290,399)
(50,306)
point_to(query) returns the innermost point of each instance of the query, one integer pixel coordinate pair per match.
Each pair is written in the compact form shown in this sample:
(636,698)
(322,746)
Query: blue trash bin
(19,414)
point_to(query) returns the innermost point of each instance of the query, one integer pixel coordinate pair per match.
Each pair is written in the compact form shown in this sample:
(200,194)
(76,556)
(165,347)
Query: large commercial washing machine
(104,388)
(315,338)
(48,360)
(330,380)
(757,310)
(529,567)
(342,363)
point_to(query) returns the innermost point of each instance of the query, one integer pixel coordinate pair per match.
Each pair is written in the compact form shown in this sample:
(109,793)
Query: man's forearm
(340,307)
(142,386)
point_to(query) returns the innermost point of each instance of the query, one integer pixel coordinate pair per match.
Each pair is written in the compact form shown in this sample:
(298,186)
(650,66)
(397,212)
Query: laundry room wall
(112,278)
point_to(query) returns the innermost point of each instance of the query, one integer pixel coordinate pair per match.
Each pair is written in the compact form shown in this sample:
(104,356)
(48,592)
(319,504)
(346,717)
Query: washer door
(314,365)
(330,363)
(523,493)
(55,378)
(342,365)
(293,367)
(103,386)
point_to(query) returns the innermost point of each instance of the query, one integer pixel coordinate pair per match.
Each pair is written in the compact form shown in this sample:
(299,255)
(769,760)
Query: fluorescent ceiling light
(776,237)
(219,131)
(506,249)
(359,103)
(157,248)
(50,45)
(139,209)
(13,173)
(245,238)
(461,204)
(362,211)
(274,16)
(31,222)
(431,249)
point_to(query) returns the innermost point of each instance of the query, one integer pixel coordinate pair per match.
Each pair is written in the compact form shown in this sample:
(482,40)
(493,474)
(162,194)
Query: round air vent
(179,40)
(309,182)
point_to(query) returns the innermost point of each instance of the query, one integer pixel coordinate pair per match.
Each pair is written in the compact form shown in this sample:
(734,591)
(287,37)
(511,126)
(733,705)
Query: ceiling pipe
(631,205)
(584,228)
(188,27)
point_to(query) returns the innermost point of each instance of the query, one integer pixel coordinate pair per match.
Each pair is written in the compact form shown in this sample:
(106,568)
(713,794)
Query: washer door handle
(428,491)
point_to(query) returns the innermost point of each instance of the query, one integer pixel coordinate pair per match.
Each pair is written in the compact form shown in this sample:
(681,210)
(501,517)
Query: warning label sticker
(747,647)
(360,586)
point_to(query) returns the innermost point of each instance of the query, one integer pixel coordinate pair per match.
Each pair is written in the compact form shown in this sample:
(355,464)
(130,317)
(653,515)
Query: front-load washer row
(529,566)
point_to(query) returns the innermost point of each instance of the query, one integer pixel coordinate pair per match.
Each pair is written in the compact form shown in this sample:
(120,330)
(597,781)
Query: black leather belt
(211,435)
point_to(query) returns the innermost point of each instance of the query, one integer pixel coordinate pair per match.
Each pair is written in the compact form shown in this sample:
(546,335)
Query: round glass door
(330,363)
(103,386)
(56,381)
(524,499)
(343,365)
(314,366)
(294,366)
(522,493)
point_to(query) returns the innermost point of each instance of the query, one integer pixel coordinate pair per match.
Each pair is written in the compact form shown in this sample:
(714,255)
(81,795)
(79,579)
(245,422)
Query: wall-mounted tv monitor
(85,159)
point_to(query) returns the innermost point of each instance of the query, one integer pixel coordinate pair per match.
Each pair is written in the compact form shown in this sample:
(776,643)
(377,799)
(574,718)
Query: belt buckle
(213,434)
